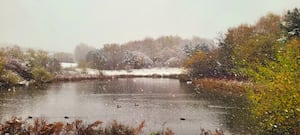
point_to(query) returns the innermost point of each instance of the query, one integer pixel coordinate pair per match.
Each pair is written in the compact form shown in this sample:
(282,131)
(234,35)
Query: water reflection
(237,116)
(161,102)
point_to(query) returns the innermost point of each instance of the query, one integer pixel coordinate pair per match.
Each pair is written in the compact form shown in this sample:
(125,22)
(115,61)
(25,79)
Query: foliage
(191,49)
(96,59)
(41,75)
(64,57)
(231,39)
(83,65)
(259,45)
(10,77)
(137,60)
(41,59)
(258,53)
(38,58)
(148,52)
(249,44)
(168,131)
(18,67)
(202,64)
(53,66)
(41,65)
(2,61)
(291,23)
(77,127)
(173,62)
(276,104)
(14,52)
(113,55)
(120,129)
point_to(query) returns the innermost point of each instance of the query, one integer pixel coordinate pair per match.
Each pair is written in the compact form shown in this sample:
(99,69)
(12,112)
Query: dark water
(160,102)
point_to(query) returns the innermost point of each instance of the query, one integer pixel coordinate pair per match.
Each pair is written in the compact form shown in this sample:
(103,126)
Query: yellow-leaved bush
(276,96)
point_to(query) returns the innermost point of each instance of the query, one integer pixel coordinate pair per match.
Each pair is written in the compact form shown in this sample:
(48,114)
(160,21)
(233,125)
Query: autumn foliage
(266,54)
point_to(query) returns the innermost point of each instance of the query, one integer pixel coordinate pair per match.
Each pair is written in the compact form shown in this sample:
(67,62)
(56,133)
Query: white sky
(59,25)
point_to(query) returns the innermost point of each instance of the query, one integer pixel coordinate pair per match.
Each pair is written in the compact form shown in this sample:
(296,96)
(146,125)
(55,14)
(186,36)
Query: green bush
(11,78)
(41,75)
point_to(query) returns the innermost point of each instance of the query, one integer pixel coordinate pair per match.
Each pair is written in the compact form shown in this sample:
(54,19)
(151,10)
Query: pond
(160,102)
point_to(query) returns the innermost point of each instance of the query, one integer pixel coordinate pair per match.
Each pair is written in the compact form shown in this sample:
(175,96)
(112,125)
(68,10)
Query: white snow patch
(68,65)
(158,71)
(92,71)
(143,72)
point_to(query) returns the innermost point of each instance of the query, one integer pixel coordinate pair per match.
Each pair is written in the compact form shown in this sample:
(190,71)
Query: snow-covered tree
(137,60)
(96,59)
(173,62)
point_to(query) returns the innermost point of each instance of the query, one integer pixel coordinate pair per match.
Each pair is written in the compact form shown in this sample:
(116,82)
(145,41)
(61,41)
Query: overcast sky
(59,25)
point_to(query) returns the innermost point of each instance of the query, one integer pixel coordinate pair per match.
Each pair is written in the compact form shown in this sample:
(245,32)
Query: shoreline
(222,86)
(91,74)
(42,126)
(81,77)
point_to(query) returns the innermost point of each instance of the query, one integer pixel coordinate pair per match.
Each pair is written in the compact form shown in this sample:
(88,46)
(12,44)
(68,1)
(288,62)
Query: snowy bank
(88,74)
(68,65)
(145,72)
(135,72)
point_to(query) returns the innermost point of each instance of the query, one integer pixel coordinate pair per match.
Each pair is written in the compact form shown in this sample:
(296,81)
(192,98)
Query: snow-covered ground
(143,72)
(68,65)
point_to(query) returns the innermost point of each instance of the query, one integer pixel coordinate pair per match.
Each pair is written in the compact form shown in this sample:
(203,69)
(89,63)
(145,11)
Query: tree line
(165,51)
(19,65)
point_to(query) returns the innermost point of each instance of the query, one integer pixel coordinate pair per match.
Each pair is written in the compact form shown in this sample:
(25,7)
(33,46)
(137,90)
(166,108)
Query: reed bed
(77,127)
(17,126)
(223,86)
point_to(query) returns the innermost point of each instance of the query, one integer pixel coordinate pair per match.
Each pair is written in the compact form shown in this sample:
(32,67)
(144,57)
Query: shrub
(77,127)
(276,105)
(11,78)
(41,75)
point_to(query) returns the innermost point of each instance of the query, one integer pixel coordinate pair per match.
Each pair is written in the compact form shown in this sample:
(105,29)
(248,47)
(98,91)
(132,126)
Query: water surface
(160,102)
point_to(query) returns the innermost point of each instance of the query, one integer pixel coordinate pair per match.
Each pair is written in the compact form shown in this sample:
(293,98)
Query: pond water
(160,102)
